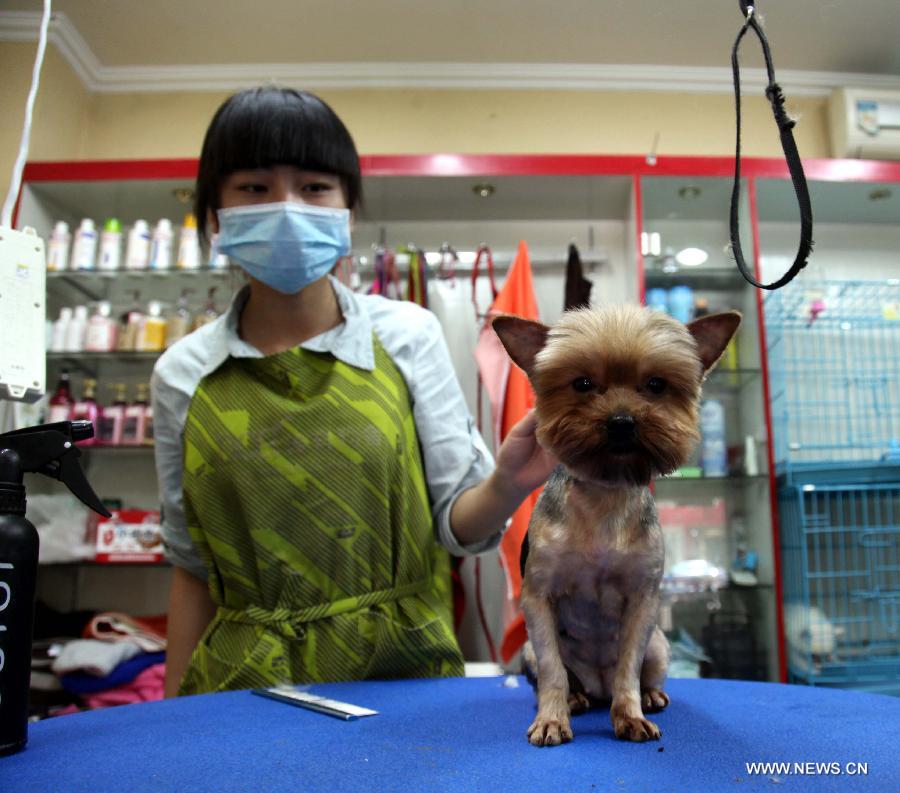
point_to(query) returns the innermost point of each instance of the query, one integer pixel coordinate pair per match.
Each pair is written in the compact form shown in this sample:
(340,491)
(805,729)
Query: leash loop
(785,131)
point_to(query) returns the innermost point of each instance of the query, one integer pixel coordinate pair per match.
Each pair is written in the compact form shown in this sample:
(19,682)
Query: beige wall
(490,122)
(72,124)
(60,112)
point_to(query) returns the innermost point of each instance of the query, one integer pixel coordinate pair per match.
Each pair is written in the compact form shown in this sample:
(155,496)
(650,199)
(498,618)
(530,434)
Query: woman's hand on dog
(522,463)
(522,466)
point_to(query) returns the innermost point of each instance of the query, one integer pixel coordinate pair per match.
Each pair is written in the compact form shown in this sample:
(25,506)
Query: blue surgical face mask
(284,245)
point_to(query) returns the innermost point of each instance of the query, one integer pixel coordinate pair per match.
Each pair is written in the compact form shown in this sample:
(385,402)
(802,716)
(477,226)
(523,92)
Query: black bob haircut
(268,126)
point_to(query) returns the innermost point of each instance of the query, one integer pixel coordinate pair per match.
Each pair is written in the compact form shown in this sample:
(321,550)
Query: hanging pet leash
(785,126)
(483,250)
(447,267)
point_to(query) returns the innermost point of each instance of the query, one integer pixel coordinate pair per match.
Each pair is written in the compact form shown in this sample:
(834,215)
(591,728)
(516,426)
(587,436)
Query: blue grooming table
(466,735)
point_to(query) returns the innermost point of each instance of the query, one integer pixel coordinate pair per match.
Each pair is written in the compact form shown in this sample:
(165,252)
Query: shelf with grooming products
(90,336)
(124,420)
(719,606)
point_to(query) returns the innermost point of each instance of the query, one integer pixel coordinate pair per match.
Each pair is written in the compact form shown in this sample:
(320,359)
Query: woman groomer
(313,447)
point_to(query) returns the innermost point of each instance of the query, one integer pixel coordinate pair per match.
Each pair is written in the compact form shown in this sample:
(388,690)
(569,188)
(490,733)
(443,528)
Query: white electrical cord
(6,217)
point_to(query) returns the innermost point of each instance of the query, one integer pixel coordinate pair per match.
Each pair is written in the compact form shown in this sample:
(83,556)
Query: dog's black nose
(621,428)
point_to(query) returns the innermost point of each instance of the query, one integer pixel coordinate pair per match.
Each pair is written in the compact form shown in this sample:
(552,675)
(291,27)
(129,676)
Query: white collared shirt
(453,452)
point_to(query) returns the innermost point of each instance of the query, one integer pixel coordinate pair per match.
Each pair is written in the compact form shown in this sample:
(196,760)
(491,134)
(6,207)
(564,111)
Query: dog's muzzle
(621,433)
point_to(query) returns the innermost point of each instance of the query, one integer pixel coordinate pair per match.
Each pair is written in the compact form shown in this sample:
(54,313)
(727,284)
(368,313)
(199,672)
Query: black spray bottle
(50,450)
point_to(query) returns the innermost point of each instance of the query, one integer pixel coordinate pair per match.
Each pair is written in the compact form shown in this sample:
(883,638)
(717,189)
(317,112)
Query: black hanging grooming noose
(785,126)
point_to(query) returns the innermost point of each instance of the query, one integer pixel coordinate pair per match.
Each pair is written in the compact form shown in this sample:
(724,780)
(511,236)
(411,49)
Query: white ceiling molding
(23,26)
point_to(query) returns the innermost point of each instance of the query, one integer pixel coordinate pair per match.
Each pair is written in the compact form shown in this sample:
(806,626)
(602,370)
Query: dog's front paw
(629,728)
(653,700)
(549,730)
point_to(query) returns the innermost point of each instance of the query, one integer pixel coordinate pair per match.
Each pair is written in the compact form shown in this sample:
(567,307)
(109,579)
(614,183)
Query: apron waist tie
(290,622)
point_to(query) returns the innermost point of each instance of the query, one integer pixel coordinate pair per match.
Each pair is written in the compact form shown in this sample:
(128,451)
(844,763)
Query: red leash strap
(447,267)
(483,250)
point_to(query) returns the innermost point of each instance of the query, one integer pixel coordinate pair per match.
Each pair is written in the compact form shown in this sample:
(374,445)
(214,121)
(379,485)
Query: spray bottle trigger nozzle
(71,475)
(51,450)
(82,430)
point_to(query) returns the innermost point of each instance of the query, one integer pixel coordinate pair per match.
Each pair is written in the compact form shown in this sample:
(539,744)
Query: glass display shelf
(96,357)
(721,378)
(120,449)
(703,588)
(95,285)
(734,480)
(104,275)
(726,279)
(108,565)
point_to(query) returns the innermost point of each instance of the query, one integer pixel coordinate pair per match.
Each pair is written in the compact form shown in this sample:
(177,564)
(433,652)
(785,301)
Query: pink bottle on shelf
(133,429)
(61,402)
(113,419)
(87,409)
(102,329)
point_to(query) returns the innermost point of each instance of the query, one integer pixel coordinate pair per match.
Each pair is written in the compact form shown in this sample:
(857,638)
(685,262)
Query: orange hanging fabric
(511,398)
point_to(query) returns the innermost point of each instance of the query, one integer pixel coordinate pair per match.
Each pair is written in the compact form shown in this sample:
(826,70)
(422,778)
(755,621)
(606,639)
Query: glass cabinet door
(719,605)
(833,339)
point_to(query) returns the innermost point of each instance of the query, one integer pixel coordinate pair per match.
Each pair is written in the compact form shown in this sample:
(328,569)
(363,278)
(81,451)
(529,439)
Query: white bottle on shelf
(751,461)
(60,326)
(161,246)
(110,245)
(84,251)
(188,245)
(76,330)
(713,450)
(102,329)
(137,254)
(58,247)
(217,261)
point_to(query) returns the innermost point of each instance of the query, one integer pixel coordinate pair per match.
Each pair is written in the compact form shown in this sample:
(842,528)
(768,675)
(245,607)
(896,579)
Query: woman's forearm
(482,510)
(522,465)
(191,609)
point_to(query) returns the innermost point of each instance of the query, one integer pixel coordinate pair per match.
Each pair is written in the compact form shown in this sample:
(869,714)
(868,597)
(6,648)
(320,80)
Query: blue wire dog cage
(834,358)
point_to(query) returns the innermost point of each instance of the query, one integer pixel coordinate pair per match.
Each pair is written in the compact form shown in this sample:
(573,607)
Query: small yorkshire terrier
(618,393)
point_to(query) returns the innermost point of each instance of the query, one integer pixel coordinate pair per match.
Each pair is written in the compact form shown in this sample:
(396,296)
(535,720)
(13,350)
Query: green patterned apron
(305,495)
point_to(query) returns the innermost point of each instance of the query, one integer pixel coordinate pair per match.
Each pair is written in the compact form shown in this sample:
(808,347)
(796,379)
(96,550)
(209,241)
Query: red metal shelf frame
(497,165)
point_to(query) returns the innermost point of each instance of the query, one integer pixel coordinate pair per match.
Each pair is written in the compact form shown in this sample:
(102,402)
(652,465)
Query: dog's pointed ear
(522,338)
(712,334)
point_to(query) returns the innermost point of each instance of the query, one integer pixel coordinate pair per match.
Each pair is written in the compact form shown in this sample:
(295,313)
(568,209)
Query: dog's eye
(582,384)
(656,385)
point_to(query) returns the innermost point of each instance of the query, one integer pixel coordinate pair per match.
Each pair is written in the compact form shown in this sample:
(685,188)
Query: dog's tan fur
(591,590)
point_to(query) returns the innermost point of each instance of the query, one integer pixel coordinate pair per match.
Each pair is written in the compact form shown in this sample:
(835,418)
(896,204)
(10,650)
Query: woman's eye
(317,187)
(252,188)
(582,384)
(656,385)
